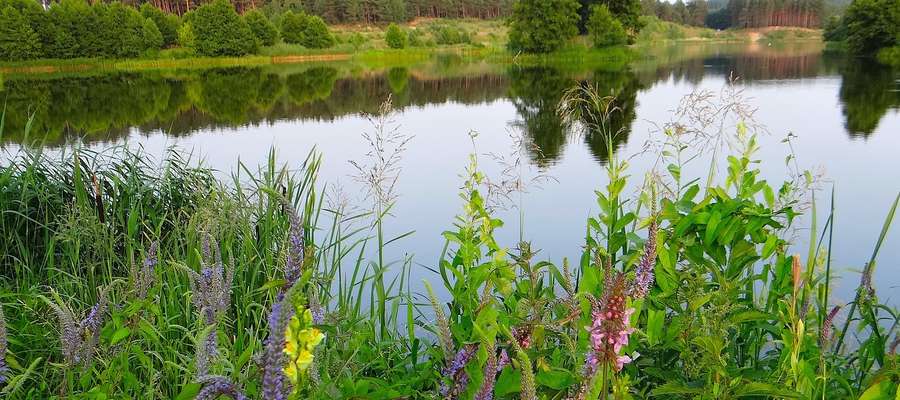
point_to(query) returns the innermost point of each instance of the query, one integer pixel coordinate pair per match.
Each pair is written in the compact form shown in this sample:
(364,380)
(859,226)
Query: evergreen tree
(219,31)
(153,39)
(167,24)
(542,26)
(293,27)
(18,41)
(263,29)
(394,37)
(317,35)
(604,29)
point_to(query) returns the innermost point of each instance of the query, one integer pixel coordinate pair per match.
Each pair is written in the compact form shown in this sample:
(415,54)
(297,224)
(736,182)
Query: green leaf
(557,379)
(119,335)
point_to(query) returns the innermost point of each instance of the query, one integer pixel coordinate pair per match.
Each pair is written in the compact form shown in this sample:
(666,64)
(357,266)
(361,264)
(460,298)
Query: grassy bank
(129,277)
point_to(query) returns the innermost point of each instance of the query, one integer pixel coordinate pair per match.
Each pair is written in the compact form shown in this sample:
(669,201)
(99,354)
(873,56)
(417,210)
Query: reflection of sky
(865,172)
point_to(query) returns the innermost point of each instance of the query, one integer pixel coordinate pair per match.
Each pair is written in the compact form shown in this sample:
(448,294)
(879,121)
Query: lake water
(842,112)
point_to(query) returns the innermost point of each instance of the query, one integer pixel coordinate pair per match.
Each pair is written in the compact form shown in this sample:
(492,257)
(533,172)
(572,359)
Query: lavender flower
(216,386)
(296,249)
(504,360)
(825,339)
(318,312)
(142,278)
(78,339)
(643,276)
(275,385)
(206,351)
(486,392)
(456,372)
(4,369)
(212,286)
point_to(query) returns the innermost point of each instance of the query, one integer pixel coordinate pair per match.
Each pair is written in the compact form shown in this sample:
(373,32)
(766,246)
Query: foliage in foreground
(125,279)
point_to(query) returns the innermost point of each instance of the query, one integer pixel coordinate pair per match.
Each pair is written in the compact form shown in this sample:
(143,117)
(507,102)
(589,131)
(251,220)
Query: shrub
(186,36)
(71,30)
(448,34)
(604,29)
(18,41)
(542,26)
(357,40)
(317,34)
(414,38)
(166,23)
(153,39)
(395,37)
(263,29)
(293,27)
(219,31)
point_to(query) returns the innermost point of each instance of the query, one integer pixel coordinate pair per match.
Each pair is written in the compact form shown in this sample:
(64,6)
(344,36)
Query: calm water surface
(843,114)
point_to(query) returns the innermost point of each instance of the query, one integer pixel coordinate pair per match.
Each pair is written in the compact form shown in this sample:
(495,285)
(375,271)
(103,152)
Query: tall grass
(686,290)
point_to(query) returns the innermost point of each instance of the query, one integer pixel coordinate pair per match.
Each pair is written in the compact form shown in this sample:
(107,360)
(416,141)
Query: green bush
(317,34)
(218,30)
(872,25)
(186,36)
(166,23)
(542,26)
(449,34)
(414,38)
(357,40)
(395,37)
(604,29)
(153,39)
(263,29)
(18,41)
(293,27)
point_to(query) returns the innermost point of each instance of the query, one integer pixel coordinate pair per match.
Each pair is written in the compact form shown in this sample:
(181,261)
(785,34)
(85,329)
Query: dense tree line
(543,26)
(762,13)
(77,29)
(738,13)
(692,13)
(73,29)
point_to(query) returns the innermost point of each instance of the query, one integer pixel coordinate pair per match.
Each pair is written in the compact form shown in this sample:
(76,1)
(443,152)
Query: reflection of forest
(110,106)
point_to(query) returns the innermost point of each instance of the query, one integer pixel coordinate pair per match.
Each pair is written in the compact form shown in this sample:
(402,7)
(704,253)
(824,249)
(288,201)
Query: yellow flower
(300,341)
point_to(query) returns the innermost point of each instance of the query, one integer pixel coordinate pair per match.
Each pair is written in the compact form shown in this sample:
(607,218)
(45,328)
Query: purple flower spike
(275,385)
(216,386)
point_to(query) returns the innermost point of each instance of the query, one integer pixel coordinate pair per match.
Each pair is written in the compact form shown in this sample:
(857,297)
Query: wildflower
(456,372)
(142,278)
(445,337)
(825,339)
(274,382)
(523,337)
(301,338)
(79,339)
(216,386)
(611,325)
(486,392)
(296,249)
(643,276)
(4,369)
(207,349)
(504,360)
(212,286)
